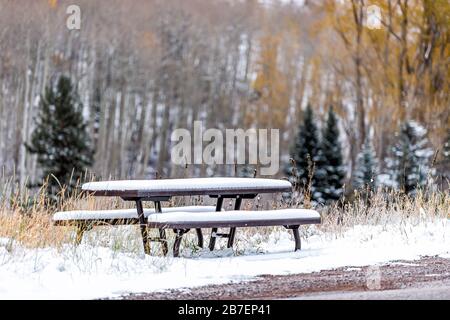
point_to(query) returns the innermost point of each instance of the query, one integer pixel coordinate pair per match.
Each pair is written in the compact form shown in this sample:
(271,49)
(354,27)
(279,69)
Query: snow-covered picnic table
(154,189)
(164,189)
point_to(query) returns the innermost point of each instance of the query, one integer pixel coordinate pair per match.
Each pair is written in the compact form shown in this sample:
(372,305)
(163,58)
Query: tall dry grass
(385,208)
(26,216)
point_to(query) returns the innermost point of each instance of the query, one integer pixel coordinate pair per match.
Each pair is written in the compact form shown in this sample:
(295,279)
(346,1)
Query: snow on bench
(121,213)
(85,220)
(238,218)
(182,222)
(182,219)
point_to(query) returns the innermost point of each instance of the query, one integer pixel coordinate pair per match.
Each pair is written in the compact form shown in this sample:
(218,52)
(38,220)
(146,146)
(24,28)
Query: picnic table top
(184,187)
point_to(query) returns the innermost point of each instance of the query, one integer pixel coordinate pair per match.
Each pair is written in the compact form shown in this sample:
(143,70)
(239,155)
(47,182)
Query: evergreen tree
(364,178)
(410,160)
(60,138)
(446,153)
(333,180)
(246,171)
(444,162)
(319,189)
(308,157)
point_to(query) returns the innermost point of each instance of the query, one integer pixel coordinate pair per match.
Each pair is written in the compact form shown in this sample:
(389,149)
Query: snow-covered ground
(93,271)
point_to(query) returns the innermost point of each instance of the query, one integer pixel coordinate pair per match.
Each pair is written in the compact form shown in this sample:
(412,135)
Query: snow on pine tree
(60,139)
(409,164)
(444,162)
(365,175)
(308,158)
(246,171)
(446,153)
(333,181)
(320,191)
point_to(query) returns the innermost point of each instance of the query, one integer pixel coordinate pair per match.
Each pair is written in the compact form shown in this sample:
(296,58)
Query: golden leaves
(271,83)
(53,3)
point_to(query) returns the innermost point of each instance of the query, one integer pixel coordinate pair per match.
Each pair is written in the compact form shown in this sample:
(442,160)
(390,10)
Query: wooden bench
(181,222)
(161,190)
(84,220)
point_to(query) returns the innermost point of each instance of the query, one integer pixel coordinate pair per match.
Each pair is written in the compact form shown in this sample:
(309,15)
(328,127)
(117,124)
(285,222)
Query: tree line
(64,152)
(317,167)
(145,69)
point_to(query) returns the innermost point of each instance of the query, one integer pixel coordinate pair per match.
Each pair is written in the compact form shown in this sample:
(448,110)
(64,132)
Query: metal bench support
(298,244)
(162,232)
(143,227)
(199,237)
(232,233)
(237,206)
(178,237)
(180,232)
(212,241)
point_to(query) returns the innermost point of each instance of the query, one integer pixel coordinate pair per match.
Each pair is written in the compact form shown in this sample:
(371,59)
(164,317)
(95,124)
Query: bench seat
(66,217)
(182,219)
(237,218)
(182,222)
(85,220)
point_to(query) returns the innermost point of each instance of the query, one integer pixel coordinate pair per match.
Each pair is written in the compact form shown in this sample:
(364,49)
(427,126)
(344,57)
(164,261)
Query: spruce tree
(444,161)
(246,171)
(446,154)
(60,139)
(409,164)
(364,178)
(320,180)
(307,156)
(333,180)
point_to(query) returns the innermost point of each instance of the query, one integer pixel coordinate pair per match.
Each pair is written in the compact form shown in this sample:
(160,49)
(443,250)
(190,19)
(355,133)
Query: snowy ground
(90,272)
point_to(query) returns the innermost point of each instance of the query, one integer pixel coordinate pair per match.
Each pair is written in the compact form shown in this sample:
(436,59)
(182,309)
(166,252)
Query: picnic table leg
(298,244)
(178,236)
(143,227)
(212,241)
(237,206)
(199,237)
(162,232)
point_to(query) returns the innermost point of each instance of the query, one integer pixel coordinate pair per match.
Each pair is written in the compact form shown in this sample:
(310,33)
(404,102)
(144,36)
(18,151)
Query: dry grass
(386,208)
(26,218)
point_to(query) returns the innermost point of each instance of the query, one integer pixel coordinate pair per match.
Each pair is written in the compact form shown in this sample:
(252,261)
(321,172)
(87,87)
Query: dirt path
(432,290)
(419,277)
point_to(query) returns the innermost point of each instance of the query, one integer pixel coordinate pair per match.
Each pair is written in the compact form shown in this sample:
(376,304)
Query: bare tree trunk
(163,140)
(402,60)
(111,151)
(150,135)
(301,91)
(121,132)
(24,126)
(358,13)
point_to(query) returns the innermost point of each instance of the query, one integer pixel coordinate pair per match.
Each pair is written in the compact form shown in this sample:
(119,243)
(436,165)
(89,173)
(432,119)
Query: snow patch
(87,272)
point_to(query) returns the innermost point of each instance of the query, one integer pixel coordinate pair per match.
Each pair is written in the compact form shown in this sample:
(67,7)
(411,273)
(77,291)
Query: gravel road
(433,290)
(427,278)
